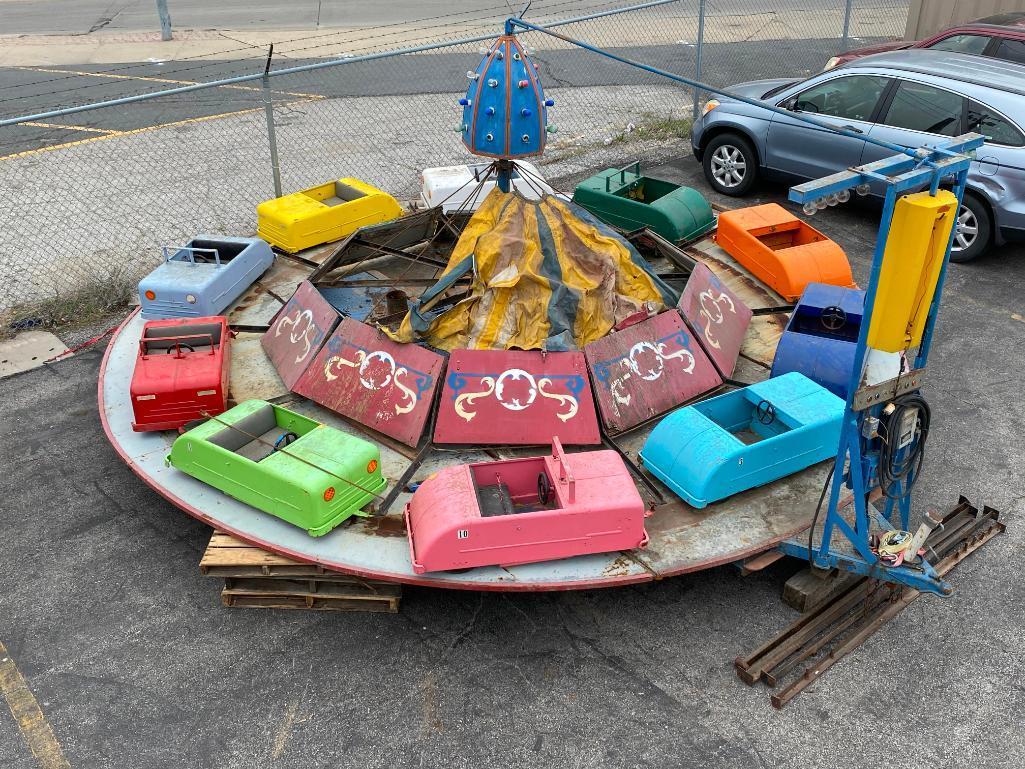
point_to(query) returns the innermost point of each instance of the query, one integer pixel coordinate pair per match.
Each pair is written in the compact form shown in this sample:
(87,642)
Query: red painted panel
(298,331)
(647,369)
(716,316)
(516,397)
(364,375)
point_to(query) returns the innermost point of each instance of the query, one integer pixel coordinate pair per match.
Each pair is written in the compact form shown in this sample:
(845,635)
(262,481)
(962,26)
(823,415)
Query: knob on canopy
(507,119)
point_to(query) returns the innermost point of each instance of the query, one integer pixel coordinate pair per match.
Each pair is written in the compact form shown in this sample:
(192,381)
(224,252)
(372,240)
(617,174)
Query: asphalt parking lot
(135,663)
(30,90)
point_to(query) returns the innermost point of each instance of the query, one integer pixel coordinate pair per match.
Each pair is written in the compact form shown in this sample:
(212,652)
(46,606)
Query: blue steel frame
(908,170)
(930,167)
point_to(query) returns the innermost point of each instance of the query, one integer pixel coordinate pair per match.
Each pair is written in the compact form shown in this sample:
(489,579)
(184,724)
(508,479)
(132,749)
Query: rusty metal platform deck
(682,539)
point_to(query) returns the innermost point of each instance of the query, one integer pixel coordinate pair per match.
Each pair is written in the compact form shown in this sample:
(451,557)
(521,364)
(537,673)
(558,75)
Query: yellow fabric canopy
(545,274)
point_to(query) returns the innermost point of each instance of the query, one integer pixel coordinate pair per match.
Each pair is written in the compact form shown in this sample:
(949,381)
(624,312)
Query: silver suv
(905,97)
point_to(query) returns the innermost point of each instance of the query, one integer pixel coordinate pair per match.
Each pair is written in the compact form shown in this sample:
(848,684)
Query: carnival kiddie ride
(439,394)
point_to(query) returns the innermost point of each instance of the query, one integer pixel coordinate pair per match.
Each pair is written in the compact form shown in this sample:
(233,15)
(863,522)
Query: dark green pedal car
(625,199)
(283,463)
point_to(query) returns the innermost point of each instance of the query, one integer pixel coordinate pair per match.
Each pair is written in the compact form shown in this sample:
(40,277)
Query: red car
(1001,36)
(181,372)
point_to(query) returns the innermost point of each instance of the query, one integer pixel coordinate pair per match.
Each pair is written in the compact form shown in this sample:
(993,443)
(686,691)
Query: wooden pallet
(256,578)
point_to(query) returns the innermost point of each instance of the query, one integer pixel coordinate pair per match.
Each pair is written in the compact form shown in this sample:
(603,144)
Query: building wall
(926,17)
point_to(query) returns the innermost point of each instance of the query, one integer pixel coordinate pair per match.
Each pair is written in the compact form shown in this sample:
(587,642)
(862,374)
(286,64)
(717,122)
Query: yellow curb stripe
(32,724)
(169,81)
(134,131)
(74,128)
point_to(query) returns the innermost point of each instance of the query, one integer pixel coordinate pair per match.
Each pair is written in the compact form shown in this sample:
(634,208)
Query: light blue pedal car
(744,438)
(203,277)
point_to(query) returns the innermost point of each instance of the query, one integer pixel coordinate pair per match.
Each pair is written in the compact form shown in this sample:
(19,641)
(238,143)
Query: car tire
(974,230)
(730,164)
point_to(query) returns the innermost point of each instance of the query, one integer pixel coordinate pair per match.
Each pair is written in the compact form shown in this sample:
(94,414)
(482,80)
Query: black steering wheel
(833,318)
(544,488)
(284,440)
(188,347)
(765,412)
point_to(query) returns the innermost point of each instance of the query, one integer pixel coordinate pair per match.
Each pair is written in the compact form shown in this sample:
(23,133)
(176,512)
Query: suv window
(1011,50)
(921,107)
(852,98)
(993,126)
(962,43)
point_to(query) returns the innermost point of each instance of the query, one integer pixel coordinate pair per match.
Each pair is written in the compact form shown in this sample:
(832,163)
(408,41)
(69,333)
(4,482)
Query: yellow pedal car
(322,214)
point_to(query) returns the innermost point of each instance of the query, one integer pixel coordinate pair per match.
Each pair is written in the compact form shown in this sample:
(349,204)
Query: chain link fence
(88,204)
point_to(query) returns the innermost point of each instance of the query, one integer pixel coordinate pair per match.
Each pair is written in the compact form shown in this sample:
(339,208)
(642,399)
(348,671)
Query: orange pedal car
(781,250)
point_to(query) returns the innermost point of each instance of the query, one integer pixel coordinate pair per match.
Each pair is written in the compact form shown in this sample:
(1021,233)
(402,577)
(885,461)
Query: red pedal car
(181,372)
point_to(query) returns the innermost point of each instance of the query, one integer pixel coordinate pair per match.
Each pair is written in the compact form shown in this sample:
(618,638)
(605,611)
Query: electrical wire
(818,509)
(897,469)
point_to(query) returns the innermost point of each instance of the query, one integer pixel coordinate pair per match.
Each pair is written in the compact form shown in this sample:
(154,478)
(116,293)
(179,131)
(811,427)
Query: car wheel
(730,164)
(972,230)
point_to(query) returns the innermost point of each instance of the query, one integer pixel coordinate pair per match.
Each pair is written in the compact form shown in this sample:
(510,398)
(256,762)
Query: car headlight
(710,105)
(190,298)
(833,61)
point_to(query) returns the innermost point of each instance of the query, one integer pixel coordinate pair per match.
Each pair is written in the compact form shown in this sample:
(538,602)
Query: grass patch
(69,309)
(654,127)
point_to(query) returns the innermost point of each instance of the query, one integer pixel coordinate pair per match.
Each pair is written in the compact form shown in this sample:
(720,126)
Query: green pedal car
(283,463)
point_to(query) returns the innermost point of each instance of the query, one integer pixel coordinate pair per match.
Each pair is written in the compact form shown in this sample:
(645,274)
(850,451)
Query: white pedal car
(459,188)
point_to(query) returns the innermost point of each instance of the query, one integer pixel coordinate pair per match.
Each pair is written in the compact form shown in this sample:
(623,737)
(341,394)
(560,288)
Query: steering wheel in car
(833,318)
(284,440)
(544,488)
(180,345)
(765,412)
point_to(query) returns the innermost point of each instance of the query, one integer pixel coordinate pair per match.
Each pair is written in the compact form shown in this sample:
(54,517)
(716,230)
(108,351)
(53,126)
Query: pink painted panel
(298,331)
(647,369)
(364,375)
(516,397)
(716,316)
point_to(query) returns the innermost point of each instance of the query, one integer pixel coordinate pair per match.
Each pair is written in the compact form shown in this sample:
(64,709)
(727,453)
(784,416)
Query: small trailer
(524,510)
(181,372)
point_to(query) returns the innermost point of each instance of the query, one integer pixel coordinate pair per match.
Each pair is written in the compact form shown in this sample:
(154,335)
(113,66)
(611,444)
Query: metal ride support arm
(856,460)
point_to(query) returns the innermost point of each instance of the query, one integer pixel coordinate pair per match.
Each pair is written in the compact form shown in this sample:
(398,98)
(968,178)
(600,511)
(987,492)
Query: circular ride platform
(682,539)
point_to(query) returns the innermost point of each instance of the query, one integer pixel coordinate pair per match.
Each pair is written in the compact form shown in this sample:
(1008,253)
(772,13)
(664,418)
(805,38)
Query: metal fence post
(268,107)
(846,24)
(165,20)
(700,51)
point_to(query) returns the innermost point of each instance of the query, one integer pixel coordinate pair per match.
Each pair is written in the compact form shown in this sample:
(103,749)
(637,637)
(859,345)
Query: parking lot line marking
(169,81)
(134,131)
(32,724)
(87,129)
